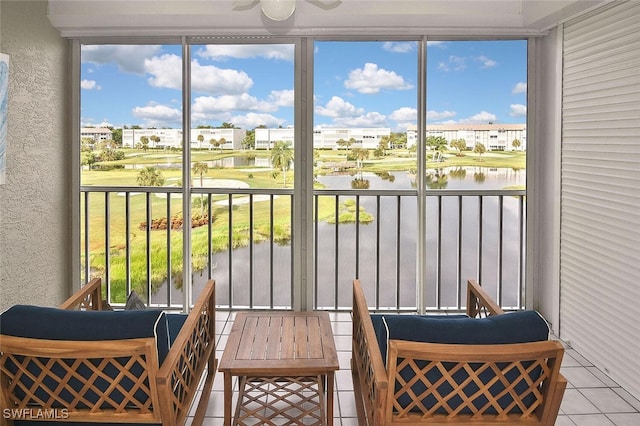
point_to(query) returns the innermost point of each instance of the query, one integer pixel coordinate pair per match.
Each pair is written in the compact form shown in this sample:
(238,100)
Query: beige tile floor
(591,397)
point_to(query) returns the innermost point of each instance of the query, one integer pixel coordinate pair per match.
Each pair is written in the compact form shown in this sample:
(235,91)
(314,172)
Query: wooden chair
(427,383)
(116,381)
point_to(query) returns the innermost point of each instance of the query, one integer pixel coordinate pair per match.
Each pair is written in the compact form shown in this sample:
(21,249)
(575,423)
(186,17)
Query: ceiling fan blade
(239,5)
(325,4)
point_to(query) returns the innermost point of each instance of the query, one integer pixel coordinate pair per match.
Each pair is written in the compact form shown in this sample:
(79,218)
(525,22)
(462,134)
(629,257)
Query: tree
(281,158)
(249,141)
(460,145)
(88,158)
(342,143)
(221,143)
(150,176)
(200,140)
(155,139)
(144,141)
(437,143)
(200,168)
(116,135)
(479,149)
(360,154)
(516,144)
(383,145)
(86,144)
(213,142)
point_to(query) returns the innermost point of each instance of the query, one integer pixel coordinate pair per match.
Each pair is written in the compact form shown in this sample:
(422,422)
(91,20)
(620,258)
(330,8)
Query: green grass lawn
(239,220)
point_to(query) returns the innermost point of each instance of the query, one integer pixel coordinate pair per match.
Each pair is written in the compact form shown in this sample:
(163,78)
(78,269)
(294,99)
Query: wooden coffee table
(283,360)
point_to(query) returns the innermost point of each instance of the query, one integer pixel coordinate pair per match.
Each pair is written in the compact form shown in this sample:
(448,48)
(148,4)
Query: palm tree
(516,144)
(459,144)
(437,143)
(155,139)
(150,176)
(360,154)
(200,168)
(213,142)
(281,157)
(200,140)
(144,141)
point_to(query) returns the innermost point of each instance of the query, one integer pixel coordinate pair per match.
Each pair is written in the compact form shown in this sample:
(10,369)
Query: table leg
(228,396)
(330,382)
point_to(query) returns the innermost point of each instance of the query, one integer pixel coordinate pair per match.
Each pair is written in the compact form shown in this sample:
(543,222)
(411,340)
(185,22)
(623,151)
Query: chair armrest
(369,375)
(192,351)
(479,303)
(88,297)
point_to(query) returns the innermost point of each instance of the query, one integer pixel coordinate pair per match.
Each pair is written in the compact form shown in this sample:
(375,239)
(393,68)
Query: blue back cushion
(516,327)
(175,322)
(39,322)
(380,328)
(57,324)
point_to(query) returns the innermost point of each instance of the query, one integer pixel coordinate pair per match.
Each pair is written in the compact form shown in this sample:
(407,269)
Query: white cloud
(89,122)
(157,115)
(404,114)
(252,120)
(282,98)
(128,58)
(519,88)
(370,119)
(338,107)
(518,110)
(215,81)
(372,79)
(482,117)
(440,115)
(454,63)
(399,46)
(486,62)
(284,52)
(89,85)
(166,71)
(214,104)
(440,44)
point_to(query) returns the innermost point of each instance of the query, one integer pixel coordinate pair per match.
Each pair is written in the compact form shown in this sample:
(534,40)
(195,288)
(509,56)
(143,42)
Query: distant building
(325,138)
(495,137)
(222,138)
(172,138)
(97,134)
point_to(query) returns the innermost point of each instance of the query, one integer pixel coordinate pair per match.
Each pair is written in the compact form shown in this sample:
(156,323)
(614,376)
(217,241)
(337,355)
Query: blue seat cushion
(516,327)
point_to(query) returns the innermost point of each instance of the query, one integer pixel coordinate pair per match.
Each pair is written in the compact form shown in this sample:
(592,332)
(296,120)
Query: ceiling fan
(280,10)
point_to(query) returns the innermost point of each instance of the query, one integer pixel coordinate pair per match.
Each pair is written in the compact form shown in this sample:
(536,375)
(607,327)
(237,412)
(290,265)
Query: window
(223,153)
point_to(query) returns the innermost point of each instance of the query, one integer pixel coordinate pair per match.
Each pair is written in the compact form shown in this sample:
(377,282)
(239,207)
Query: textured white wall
(35,216)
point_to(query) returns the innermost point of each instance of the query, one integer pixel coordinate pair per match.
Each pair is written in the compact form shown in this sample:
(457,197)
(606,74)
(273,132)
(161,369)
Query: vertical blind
(600,190)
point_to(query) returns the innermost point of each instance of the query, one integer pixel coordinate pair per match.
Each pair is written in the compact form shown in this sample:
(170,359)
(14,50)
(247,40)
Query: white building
(325,138)
(172,138)
(227,138)
(495,137)
(97,134)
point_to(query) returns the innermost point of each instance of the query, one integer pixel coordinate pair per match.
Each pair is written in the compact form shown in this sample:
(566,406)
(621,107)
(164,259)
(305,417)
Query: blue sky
(356,84)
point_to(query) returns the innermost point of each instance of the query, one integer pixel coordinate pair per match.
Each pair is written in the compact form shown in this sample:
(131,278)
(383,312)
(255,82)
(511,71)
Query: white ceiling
(314,17)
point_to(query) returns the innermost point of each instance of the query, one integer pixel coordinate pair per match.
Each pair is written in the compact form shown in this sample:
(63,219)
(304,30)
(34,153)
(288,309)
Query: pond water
(389,260)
